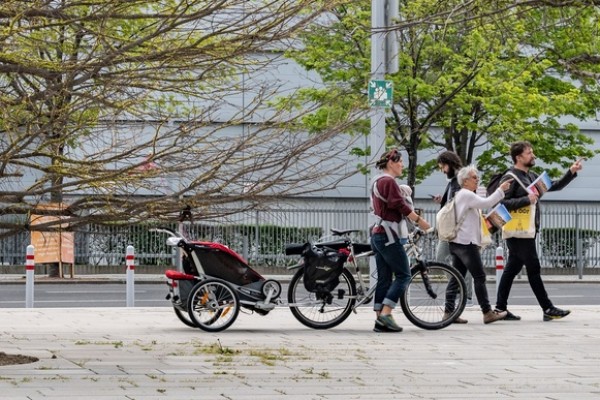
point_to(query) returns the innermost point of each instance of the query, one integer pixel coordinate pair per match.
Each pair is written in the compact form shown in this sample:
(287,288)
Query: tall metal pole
(377,136)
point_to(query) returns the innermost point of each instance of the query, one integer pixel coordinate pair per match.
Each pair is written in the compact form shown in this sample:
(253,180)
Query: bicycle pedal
(341,293)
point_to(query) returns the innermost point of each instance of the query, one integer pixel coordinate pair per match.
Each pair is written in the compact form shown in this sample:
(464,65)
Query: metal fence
(569,241)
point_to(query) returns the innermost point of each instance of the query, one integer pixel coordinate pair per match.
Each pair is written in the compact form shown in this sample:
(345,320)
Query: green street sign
(381,93)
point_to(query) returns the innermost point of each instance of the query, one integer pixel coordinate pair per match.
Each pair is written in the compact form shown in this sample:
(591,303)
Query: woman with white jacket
(465,248)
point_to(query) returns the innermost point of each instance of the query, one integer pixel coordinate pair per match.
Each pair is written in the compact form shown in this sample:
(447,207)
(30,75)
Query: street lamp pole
(384,59)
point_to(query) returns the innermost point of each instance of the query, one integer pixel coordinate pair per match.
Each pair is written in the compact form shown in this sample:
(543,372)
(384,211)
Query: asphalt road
(58,295)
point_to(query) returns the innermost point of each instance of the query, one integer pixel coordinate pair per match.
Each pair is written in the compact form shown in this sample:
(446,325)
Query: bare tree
(128,110)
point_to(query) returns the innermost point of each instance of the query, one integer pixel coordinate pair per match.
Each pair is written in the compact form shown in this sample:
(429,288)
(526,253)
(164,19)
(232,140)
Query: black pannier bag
(322,267)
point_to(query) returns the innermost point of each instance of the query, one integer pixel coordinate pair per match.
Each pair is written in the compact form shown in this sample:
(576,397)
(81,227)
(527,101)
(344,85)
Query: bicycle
(215,283)
(423,303)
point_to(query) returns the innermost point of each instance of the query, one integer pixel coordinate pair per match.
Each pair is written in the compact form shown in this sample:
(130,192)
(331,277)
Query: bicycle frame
(413,251)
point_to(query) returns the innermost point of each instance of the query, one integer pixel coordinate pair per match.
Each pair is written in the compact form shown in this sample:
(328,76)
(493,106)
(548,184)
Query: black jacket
(517,197)
(451,188)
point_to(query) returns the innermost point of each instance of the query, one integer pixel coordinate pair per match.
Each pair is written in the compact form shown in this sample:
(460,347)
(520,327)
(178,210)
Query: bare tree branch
(130,110)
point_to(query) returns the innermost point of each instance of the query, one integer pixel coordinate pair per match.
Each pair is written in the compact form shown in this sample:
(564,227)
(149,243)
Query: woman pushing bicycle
(390,207)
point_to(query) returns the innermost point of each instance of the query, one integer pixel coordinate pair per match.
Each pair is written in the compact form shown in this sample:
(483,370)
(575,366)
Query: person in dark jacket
(522,251)
(450,163)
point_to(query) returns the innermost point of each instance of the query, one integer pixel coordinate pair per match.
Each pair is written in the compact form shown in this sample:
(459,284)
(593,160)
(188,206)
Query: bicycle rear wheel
(326,312)
(184,317)
(213,305)
(431,295)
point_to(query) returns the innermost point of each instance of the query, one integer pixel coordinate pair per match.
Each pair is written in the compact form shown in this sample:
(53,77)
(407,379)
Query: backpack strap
(518,180)
(375,190)
(450,192)
(460,220)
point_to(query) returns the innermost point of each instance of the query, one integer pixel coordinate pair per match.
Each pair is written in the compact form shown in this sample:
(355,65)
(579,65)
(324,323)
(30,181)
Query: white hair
(464,173)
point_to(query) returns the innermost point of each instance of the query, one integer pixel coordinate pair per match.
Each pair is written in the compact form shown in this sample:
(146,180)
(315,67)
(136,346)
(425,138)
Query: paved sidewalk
(147,353)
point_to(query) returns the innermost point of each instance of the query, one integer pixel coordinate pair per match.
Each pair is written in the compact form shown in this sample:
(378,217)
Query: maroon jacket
(396,207)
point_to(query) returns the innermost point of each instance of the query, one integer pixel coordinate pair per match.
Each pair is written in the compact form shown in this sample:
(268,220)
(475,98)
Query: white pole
(377,136)
(499,266)
(29,275)
(130,262)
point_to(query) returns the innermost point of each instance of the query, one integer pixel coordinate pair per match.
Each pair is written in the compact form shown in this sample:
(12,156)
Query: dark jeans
(468,258)
(522,252)
(392,261)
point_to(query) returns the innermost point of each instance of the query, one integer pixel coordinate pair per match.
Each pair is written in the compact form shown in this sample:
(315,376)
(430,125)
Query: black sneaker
(555,313)
(381,327)
(511,317)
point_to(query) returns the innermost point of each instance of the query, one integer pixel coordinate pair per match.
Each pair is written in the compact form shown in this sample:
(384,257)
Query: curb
(161,279)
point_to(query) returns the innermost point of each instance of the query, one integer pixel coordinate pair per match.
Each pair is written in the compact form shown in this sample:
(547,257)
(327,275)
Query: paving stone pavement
(147,353)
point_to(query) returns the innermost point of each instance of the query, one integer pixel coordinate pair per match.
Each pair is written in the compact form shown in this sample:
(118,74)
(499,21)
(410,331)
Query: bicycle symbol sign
(380,93)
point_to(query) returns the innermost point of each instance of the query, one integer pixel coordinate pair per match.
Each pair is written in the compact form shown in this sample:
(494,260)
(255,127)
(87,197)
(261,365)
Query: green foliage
(485,80)
(559,245)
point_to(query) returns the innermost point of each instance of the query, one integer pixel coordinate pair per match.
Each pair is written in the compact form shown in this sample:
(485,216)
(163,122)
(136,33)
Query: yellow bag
(522,224)
(486,236)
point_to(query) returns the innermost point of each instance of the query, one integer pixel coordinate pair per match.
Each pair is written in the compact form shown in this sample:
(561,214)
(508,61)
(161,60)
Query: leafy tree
(555,89)
(471,74)
(128,110)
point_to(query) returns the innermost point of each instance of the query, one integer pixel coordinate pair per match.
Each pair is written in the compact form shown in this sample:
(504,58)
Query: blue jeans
(392,262)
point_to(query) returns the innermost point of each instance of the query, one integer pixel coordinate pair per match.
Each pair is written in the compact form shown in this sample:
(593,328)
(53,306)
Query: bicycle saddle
(342,232)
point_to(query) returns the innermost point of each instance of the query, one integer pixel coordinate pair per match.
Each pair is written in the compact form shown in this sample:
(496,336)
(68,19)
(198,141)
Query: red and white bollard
(499,265)
(130,262)
(29,275)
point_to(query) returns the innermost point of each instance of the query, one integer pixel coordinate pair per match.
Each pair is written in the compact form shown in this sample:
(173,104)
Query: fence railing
(569,241)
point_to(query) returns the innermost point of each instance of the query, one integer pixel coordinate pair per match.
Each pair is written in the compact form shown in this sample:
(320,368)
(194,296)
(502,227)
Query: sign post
(52,242)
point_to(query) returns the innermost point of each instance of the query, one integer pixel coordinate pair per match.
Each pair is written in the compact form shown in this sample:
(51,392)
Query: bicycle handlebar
(167,231)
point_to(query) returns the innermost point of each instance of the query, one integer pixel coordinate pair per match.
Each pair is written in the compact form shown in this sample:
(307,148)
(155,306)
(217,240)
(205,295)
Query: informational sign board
(53,246)
(381,93)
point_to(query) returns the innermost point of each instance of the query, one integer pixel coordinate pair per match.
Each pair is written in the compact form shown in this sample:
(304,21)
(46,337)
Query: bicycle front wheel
(435,296)
(324,312)
(213,305)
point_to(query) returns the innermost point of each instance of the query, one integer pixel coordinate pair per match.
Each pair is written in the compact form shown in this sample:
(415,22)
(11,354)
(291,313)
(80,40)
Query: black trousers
(467,257)
(522,252)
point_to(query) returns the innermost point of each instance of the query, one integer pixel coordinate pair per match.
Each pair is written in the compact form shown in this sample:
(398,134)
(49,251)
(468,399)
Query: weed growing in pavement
(115,344)
(214,348)
(267,357)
